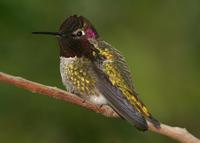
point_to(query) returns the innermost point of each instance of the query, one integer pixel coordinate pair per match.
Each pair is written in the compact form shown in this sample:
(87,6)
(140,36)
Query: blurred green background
(160,40)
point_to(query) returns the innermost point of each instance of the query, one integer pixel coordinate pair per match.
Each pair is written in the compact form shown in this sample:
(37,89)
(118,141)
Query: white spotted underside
(96,98)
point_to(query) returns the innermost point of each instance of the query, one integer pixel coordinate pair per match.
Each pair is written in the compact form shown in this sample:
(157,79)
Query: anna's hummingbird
(97,72)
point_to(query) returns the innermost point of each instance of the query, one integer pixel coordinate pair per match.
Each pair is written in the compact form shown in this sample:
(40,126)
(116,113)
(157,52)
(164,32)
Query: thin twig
(177,133)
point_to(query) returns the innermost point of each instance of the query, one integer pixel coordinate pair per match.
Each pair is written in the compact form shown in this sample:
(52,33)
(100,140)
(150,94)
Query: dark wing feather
(122,68)
(118,102)
(119,89)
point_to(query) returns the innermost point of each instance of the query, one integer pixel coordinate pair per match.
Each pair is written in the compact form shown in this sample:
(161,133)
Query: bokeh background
(160,40)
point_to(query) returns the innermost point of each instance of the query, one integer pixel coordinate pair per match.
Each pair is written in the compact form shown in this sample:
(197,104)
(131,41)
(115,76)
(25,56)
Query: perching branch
(179,134)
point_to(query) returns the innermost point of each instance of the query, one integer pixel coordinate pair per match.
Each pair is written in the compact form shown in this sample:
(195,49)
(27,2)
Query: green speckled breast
(77,75)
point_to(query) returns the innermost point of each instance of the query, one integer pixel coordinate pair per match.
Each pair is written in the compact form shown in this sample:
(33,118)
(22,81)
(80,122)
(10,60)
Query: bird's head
(74,37)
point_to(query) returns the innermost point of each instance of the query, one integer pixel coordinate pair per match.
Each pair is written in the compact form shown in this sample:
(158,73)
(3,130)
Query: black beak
(48,33)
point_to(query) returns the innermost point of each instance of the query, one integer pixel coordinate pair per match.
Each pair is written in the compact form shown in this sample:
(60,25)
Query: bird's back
(116,69)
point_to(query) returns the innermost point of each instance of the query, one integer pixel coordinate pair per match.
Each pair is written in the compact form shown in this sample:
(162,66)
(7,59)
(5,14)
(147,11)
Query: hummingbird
(92,69)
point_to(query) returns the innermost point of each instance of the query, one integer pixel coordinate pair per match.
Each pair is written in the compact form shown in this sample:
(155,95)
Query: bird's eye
(79,33)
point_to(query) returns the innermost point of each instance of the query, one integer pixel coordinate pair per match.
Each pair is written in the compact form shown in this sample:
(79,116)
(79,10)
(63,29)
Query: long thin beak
(48,33)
